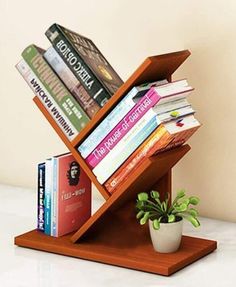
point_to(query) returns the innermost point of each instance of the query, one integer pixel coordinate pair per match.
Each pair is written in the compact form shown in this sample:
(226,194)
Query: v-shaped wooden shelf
(112,235)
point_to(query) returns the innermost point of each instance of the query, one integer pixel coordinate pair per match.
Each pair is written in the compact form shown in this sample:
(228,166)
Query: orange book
(165,137)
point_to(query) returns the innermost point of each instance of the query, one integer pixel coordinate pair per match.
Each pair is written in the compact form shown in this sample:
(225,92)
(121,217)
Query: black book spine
(80,69)
(41,196)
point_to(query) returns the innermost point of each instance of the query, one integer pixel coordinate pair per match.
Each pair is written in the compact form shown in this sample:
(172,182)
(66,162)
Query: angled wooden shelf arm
(112,235)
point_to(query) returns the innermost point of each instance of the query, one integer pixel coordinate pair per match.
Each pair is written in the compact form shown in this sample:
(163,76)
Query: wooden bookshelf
(112,235)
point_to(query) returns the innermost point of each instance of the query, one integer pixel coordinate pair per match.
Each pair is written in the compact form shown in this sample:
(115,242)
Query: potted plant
(165,219)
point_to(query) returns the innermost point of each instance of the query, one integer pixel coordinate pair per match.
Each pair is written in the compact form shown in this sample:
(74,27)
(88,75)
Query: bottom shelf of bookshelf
(137,256)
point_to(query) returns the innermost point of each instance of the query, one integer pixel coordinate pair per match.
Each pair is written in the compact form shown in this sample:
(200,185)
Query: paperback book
(53,85)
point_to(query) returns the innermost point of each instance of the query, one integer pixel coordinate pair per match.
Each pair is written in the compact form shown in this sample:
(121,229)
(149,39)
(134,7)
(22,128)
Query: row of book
(64,196)
(151,118)
(72,78)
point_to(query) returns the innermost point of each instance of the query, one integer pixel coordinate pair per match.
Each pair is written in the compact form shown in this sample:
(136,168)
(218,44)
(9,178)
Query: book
(86,62)
(41,196)
(72,83)
(47,100)
(165,137)
(145,103)
(54,86)
(124,149)
(114,117)
(48,196)
(73,195)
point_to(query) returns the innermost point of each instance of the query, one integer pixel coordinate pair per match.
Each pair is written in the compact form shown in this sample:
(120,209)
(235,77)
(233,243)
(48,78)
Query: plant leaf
(186,201)
(181,193)
(140,214)
(181,208)
(194,221)
(171,218)
(194,200)
(193,212)
(156,224)
(164,206)
(144,219)
(155,194)
(143,196)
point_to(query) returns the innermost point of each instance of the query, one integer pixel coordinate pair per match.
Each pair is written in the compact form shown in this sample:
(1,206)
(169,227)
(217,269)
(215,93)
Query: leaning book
(46,85)
(86,62)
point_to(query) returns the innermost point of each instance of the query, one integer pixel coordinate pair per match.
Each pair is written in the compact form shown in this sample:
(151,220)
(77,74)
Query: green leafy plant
(151,207)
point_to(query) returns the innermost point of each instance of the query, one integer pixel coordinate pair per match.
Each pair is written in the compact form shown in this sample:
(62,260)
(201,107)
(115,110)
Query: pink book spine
(123,127)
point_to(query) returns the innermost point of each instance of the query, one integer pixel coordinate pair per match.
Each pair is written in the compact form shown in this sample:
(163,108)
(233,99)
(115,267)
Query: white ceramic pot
(168,238)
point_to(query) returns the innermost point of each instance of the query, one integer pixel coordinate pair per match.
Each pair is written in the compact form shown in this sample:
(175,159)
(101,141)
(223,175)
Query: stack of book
(151,118)
(64,196)
(72,79)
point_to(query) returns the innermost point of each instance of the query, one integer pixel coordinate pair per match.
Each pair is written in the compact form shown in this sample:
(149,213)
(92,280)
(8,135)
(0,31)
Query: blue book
(114,117)
(41,195)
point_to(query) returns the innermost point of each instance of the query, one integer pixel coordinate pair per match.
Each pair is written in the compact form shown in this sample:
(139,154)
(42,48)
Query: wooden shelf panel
(152,69)
(72,149)
(139,257)
(142,179)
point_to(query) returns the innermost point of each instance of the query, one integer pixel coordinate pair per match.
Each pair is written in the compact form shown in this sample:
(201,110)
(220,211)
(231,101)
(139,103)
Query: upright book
(72,195)
(86,62)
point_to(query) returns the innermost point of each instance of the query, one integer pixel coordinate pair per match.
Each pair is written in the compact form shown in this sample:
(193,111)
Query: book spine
(41,195)
(54,206)
(111,120)
(160,136)
(47,100)
(77,90)
(55,87)
(48,194)
(136,114)
(114,117)
(123,150)
(77,65)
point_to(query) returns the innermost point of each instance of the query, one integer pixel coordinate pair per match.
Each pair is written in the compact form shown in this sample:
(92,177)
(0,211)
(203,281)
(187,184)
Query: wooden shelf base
(140,257)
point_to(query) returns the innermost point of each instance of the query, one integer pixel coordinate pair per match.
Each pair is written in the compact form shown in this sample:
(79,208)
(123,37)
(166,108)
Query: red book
(72,195)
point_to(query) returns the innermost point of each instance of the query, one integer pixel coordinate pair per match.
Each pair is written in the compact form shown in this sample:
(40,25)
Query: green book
(66,102)
(87,63)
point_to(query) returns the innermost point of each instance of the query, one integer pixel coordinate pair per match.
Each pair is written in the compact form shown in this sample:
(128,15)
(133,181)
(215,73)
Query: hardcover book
(86,62)
(41,195)
(74,86)
(73,195)
(53,85)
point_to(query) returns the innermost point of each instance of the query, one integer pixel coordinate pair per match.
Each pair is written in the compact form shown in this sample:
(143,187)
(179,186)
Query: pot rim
(165,223)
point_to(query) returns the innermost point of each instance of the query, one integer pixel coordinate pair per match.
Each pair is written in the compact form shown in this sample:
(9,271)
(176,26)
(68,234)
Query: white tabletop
(21,267)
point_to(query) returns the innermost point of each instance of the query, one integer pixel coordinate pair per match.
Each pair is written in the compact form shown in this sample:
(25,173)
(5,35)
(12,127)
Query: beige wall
(127,32)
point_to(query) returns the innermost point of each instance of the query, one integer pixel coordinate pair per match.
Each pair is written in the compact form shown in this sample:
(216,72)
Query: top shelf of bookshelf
(152,69)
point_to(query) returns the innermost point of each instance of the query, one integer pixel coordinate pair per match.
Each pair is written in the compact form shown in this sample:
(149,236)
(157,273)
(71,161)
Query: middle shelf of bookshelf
(152,69)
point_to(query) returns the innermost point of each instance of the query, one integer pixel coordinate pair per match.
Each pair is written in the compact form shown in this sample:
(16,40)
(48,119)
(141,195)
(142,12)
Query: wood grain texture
(143,178)
(112,235)
(133,252)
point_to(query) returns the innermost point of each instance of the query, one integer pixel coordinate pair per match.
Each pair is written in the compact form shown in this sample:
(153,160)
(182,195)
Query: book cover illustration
(73,195)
